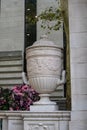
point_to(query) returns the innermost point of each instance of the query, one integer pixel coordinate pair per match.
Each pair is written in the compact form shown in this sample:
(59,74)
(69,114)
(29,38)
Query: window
(30,26)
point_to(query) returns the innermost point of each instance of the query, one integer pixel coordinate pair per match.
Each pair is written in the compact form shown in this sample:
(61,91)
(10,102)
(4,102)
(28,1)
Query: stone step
(10,81)
(10,68)
(10,63)
(61,102)
(10,58)
(8,85)
(10,54)
(59,92)
(10,75)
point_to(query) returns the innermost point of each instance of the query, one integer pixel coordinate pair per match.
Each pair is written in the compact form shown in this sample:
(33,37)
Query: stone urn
(44,69)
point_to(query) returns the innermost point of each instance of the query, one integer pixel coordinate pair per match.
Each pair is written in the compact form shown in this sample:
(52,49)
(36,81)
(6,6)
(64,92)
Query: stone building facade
(12,47)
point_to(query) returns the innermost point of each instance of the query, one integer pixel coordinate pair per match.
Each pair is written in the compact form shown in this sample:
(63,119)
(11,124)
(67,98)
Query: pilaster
(78,57)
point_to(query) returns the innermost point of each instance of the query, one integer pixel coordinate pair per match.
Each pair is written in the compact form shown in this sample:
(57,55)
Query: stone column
(78,57)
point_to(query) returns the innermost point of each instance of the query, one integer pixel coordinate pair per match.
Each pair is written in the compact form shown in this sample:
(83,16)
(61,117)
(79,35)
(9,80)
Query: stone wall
(78,57)
(11,42)
(12,25)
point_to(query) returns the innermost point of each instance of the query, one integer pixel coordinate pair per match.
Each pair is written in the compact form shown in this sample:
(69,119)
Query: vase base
(44,104)
(43,108)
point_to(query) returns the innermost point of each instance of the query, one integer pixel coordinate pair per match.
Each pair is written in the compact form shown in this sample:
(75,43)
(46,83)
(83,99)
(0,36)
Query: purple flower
(20,97)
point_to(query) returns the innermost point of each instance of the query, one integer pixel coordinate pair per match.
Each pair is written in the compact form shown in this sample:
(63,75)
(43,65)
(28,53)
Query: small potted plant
(20,97)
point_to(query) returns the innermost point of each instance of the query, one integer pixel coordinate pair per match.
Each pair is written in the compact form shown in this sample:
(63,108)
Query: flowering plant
(20,97)
(4,98)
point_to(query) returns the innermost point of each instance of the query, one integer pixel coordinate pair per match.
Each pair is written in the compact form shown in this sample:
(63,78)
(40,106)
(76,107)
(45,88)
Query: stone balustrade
(25,120)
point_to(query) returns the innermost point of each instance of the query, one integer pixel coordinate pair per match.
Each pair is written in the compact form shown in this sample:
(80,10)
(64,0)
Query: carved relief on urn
(44,68)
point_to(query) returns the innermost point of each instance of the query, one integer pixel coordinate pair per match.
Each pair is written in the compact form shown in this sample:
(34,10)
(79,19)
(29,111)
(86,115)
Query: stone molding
(25,120)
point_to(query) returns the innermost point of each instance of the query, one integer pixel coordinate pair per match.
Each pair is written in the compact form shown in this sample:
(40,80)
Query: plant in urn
(44,69)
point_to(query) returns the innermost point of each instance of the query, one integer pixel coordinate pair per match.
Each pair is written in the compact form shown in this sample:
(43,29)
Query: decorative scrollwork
(39,126)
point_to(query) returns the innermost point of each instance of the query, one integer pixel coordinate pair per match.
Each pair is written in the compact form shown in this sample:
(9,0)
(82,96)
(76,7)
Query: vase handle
(63,79)
(24,78)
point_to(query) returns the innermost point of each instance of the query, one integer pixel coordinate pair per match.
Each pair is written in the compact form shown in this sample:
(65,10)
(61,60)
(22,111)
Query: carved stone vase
(44,67)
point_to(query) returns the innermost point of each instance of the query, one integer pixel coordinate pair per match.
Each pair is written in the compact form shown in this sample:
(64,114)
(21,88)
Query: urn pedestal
(44,69)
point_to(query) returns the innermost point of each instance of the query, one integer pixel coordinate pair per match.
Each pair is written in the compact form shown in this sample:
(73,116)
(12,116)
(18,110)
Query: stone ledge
(10,54)
(26,120)
(60,115)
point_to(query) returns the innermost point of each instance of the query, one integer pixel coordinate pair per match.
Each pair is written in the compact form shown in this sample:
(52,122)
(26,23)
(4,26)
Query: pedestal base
(43,108)
(46,120)
(44,105)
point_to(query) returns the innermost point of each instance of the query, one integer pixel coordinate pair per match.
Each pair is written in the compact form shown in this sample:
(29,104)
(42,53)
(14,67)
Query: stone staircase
(10,68)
